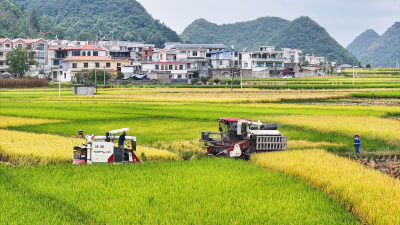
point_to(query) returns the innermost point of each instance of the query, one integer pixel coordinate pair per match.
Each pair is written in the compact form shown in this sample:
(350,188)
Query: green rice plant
(206,191)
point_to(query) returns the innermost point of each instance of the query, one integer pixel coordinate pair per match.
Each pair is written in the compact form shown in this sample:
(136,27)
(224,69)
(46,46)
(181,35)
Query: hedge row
(23,83)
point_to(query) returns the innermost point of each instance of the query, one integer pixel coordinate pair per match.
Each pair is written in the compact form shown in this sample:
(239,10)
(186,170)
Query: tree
(359,64)
(368,65)
(19,60)
(204,80)
(34,20)
(84,36)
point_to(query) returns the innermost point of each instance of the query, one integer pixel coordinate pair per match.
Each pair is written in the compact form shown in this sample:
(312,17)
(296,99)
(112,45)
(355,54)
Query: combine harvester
(239,138)
(101,149)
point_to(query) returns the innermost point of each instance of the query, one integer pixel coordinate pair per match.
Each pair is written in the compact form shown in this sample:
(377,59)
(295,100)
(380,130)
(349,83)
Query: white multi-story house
(292,55)
(267,58)
(311,59)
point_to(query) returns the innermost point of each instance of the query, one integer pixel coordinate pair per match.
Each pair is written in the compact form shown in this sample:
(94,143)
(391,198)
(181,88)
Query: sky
(343,19)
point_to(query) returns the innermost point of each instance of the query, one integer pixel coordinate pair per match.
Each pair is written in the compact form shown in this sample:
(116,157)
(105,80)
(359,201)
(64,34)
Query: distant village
(60,60)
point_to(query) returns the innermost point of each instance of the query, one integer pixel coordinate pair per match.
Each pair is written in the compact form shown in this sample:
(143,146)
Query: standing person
(121,140)
(357,143)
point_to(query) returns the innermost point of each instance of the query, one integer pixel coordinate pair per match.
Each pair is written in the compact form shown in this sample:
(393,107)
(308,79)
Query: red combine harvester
(239,138)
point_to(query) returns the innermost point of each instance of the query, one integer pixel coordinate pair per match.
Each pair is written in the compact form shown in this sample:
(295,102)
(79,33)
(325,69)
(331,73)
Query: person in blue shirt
(121,140)
(357,143)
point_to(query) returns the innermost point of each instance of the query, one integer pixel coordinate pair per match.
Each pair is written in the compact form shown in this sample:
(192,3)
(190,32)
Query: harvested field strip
(23,148)
(371,195)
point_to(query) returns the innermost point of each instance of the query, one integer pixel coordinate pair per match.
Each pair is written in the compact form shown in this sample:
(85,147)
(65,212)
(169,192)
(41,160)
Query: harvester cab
(101,149)
(239,138)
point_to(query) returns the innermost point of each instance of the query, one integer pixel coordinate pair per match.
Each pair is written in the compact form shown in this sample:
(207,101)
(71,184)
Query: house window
(260,64)
(1,53)
(203,64)
(88,53)
(157,67)
(179,76)
(246,65)
(65,76)
(40,47)
(56,62)
(8,45)
(220,63)
(86,65)
(74,65)
(97,65)
(118,64)
(1,45)
(83,53)
(19,45)
(170,67)
(108,65)
(278,64)
(180,67)
(1,63)
(270,65)
(76,53)
(95,53)
(195,53)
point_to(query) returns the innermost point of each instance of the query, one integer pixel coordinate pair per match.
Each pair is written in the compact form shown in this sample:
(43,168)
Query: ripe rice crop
(6,121)
(23,83)
(369,194)
(206,191)
(365,126)
(24,148)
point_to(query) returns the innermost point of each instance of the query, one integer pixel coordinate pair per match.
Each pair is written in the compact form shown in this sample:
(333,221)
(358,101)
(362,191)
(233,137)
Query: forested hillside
(17,22)
(361,44)
(305,34)
(302,33)
(92,19)
(250,35)
(386,50)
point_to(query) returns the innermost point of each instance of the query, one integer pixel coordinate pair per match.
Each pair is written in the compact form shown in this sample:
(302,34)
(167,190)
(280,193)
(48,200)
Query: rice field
(369,194)
(167,123)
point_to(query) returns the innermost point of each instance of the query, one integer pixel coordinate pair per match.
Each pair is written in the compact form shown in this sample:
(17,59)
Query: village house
(263,62)
(311,59)
(58,54)
(292,55)
(74,64)
(6,45)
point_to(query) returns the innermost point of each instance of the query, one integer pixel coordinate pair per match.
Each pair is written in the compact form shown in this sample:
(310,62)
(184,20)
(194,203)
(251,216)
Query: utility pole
(353,75)
(104,78)
(231,79)
(95,77)
(59,86)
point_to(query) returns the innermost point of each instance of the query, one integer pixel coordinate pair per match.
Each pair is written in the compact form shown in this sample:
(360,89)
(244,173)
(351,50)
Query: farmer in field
(80,134)
(121,140)
(357,143)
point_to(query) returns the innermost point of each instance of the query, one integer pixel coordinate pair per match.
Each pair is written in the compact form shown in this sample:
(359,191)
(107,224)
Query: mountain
(386,50)
(15,21)
(361,43)
(302,33)
(305,34)
(92,19)
(250,35)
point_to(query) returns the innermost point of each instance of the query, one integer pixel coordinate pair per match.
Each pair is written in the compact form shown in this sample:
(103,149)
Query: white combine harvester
(101,149)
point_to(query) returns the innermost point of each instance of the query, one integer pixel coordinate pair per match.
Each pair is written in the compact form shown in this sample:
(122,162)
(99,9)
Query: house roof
(28,40)
(84,47)
(4,39)
(87,58)
(199,46)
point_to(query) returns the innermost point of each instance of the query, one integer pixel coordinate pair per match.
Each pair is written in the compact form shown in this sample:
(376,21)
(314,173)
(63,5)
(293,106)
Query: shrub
(23,83)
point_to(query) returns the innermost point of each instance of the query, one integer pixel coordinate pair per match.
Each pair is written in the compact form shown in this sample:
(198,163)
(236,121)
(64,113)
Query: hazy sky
(343,19)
